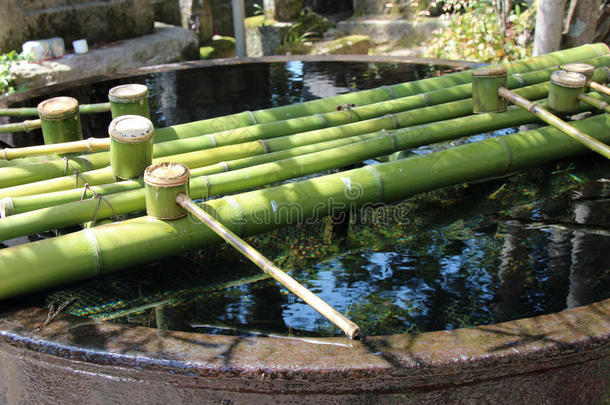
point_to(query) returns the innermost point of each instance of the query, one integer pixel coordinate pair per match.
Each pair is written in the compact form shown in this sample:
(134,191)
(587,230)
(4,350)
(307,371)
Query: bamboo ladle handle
(350,328)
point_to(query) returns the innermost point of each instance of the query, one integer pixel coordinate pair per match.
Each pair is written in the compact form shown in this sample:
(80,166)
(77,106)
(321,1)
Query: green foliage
(220,47)
(6,61)
(309,26)
(258,9)
(477,31)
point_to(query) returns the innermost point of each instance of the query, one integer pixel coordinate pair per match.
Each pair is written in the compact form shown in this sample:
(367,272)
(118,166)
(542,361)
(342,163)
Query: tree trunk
(549,24)
(583,23)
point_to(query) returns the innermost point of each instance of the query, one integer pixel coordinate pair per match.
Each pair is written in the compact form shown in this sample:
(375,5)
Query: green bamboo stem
(13,175)
(205,184)
(25,126)
(350,328)
(91,252)
(556,122)
(33,112)
(90,144)
(592,101)
(599,87)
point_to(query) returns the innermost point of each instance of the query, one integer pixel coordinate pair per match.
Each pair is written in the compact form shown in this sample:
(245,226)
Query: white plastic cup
(80,46)
(38,50)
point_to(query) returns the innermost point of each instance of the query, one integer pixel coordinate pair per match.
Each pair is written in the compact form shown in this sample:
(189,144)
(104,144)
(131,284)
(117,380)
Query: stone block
(350,45)
(410,33)
(265,39)
(94,20)
(167,44)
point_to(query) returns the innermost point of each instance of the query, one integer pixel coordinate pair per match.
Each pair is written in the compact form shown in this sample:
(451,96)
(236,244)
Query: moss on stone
(258,21)
(220,47)
(351,44)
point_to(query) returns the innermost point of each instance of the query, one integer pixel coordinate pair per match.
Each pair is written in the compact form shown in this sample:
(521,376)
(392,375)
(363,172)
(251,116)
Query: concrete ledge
(166,44)
(412,32)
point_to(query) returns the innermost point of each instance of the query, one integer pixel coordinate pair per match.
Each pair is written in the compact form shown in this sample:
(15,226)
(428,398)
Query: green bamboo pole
(12,175)
(33,112)
(599,87)
(25,126)
(308,123)
(367,146)
(109,248)
(90,144)
(592,101)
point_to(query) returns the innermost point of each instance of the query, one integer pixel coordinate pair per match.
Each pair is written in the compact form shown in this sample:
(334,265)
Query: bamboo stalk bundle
(18,175)
(318,158)
(110,248)
(11,178)
(84,163)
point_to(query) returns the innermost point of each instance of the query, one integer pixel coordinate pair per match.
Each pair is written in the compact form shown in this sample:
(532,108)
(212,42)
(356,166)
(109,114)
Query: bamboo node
(4,154)
(390,91)
(90,236)
(395,120)
(265,146)
(509,152)
(519,77)
(378,180)
(253,117)
(208,186)
(349,108)
(392,138)
(212,140)
(426,99)
(88,144)
(323,119)
(224,165)
(6,207)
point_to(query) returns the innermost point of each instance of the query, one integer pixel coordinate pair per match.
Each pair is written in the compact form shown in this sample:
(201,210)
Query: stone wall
(96,21)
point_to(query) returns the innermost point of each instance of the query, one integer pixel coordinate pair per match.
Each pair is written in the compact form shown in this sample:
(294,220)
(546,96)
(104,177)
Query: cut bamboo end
(131,145)
(129,99)
(564,91)
(58,108)
(164,182)
(485,85)
(60,120)
(582,68)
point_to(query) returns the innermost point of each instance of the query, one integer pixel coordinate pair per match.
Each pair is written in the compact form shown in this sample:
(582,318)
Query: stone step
(409,32)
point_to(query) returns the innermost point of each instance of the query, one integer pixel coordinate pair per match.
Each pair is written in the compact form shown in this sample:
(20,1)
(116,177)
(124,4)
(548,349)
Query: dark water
(194,94)
(532,243)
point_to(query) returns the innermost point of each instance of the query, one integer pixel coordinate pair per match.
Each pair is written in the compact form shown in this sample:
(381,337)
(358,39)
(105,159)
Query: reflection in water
(464,256)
